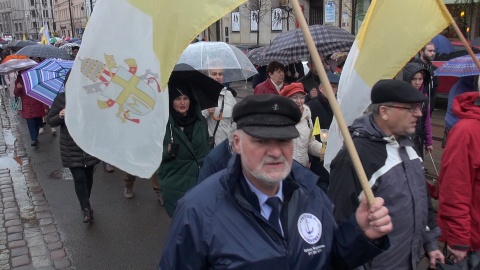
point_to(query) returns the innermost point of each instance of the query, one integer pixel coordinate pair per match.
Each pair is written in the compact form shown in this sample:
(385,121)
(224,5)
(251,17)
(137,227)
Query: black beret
(395,91)
(267,116)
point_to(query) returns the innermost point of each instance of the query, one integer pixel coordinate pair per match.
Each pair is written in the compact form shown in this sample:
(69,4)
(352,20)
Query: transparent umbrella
(218,55)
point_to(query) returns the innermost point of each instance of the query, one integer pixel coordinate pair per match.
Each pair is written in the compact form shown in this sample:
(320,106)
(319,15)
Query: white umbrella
(16,64)
(218,55)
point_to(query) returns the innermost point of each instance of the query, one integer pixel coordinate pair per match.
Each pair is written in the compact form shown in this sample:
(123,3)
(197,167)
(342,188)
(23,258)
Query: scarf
(186,123)
(277,87)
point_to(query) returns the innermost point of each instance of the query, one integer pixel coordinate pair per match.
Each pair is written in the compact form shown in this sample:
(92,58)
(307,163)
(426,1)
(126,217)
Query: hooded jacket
(424,124)
(395,173)
(458,214)
(218,225)
(178,175)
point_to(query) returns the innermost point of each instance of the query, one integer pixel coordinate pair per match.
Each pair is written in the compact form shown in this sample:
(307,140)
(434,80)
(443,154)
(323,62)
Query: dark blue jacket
(215,161)
(218,225)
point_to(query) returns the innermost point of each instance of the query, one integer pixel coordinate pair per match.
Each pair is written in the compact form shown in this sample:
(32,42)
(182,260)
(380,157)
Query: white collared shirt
(265,209)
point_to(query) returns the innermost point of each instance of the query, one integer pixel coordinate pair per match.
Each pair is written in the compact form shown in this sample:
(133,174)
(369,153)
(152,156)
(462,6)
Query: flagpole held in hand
(333,103)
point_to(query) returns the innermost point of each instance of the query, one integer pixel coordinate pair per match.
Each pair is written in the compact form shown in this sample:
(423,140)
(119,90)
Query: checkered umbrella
(291,46)
(44,51)
(257,56)
(218,55)
(44,81)
(459,67)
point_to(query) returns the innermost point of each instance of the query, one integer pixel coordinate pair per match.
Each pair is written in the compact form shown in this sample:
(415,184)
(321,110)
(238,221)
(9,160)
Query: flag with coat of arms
(116,94)
(391,34)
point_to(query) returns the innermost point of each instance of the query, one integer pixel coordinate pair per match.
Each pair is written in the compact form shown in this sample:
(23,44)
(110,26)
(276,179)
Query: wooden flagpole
(333,103)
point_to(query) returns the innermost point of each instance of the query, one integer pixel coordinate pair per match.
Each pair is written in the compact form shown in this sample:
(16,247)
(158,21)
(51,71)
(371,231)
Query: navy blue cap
(267,116)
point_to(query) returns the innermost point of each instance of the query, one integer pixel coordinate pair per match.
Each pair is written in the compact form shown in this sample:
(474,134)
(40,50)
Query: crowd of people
(246,187)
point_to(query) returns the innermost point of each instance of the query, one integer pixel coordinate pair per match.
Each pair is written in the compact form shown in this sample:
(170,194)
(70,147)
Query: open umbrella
(218,55)
(291,46)
(257,57)
(443,44)
(13,56)
(44,51)
(68,47)
(206,89)
(45,81)
(459,67)
(18,44)
(16,64)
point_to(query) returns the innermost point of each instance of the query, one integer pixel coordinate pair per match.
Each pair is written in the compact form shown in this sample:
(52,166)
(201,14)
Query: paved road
(41,220)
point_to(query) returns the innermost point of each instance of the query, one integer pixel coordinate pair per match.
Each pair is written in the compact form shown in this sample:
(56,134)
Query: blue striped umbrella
(459,67)
(44,81)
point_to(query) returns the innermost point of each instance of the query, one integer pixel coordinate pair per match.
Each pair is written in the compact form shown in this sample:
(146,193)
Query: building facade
(70,17)
(25,18)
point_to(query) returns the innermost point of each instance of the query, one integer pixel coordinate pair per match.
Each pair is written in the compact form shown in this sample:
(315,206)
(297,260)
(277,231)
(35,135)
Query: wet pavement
(28,236)
(40,220)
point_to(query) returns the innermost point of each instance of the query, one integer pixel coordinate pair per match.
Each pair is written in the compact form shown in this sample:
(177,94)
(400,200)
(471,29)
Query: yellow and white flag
(392,33)
(117,97)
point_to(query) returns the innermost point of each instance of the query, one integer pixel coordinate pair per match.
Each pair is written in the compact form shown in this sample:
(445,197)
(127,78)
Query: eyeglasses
(411,109)
(298,98)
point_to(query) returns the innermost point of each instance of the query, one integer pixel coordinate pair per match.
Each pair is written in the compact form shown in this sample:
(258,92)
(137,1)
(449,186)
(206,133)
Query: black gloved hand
(173,150)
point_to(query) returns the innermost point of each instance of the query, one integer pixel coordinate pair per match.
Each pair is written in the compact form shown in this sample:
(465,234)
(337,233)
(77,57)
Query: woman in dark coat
(184,147)
(73,157)
(32,110)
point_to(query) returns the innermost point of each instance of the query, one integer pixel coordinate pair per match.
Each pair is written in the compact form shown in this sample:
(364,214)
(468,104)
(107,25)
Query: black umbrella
(18,44)
(206,89)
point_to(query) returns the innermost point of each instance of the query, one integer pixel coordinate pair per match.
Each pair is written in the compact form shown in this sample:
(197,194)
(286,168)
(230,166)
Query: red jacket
(267,87)
(459,202)
(31,108)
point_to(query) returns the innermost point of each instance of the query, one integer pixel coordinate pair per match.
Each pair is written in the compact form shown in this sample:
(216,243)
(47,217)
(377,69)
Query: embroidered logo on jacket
(309,228)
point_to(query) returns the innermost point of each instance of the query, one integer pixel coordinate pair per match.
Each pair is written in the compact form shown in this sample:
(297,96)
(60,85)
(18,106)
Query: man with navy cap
(395,173)
(265,212)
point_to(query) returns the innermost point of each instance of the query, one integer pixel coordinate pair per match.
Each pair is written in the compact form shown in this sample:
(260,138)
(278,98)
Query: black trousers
(83,180)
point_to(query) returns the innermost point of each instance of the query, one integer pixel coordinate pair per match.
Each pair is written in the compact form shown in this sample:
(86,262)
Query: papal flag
(116,95)
(392,33)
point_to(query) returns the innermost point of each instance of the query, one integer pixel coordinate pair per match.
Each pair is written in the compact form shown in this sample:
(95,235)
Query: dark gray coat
(395,173)
(72,155)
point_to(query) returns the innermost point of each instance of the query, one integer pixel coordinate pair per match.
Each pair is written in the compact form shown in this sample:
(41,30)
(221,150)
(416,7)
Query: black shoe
(34,143)
(87,215)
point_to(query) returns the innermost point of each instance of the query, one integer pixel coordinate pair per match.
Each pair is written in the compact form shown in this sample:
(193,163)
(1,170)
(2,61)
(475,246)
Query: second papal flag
(393,32)
(116,96)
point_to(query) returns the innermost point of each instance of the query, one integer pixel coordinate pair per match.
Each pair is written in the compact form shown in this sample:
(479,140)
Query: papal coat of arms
(134,95)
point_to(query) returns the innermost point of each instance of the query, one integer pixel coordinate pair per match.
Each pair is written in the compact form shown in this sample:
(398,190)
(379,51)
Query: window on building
(32,3)
(33,13)
(16,27)
(316,16)
(1,28)
(20,26)
(34,25)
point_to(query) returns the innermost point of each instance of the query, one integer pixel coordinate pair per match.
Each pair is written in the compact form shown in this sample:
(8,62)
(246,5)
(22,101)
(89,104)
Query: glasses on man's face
(298,98)
(413,108)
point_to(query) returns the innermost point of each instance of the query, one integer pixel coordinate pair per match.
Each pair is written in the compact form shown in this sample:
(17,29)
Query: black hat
(267,116)
(395,91)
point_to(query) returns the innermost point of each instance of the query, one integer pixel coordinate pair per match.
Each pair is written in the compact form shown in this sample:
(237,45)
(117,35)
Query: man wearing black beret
(264,211)
(395,173)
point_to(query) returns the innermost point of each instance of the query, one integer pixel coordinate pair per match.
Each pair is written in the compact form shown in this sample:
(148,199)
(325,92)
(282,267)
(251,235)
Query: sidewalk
(29,238)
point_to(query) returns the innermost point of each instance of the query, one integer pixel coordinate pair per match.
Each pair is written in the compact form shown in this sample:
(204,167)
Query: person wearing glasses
(382,138)
(305,143)
(419,77)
